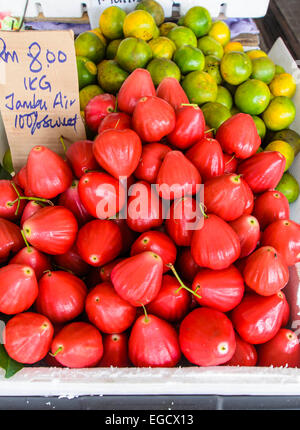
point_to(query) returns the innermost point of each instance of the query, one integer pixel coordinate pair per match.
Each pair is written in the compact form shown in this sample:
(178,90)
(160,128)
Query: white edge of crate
(219,380)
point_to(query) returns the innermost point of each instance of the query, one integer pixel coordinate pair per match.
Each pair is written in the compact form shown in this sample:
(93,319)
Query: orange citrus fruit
(283,85)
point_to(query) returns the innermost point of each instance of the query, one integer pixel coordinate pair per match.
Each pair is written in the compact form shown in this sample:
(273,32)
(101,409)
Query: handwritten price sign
(39,97)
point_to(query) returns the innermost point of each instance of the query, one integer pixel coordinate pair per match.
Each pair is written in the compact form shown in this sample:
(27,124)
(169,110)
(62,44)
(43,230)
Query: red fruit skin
(138,279)
(98,252)
(128,235)
(144,209)
(170,304)
(216,245)
(153,342)
(207,156)
(81,157)
(48,175)
(137,85)
(248,230)
(61,296)
(283,350)
(70,199)
(180,223)
(27,337)
(97,108)
(153,118)
(101,194)
(151,159)
(115,351)
(30,256)
(257,318)
(107,310)
(207,337)
(78,345)
(226,196)
(115,120)
(284,236)
(11,240)
(238,136)
(172,92)
(18,288)
(271,206)
(177,177)
(106,269)
(222,290)
(72,261)
(7,196)
(30,209)
(265,271)
(286,314)
(118,151)
(249,199)
(263,171)
(157,242)
(186,265)
(230,163)
(20,178)
(51,230)
(189,127)
(245,354)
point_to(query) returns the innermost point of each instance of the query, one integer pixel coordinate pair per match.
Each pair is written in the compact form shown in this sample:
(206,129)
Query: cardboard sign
(39,96)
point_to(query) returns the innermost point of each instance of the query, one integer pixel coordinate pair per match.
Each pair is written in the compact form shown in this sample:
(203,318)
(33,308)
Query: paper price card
(39,96)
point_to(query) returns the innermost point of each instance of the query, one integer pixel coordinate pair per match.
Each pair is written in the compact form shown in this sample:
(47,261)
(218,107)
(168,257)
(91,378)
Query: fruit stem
(117,123)
(190,104)
(202,210)
(208,131)
(25,240)
(59,349)
(146,315)
(18,198)
(182,285)
(116,106)
(63,144)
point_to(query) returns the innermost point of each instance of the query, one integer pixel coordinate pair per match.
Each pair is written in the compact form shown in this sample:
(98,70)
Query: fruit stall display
(84,282)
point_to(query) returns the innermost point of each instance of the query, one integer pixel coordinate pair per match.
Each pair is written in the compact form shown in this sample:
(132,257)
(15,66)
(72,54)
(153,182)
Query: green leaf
(4,173)
(8,364)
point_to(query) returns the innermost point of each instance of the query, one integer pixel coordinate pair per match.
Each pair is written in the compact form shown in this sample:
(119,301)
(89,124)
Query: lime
(140,24)
(289,186)
(162,47)
(224,97)
(111,22)
(87,93)
(200,87)
(220,31)
(215,114)
(212,67)
(89,45)
(112,48)
(166,27)
(283,84)
(210,46)
(279,114)
(198,19)
(99,33)
(260,126)
(111,76)
(161,68)
(236,67)
(182,36)
(279,69)
(154,8)
(263,68)
(253,97)
(289,136)
(188,59)
(285,149)
(86,71)
(7,161)
(133,53)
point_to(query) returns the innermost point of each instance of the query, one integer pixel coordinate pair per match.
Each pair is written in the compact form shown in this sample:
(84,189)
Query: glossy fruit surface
(283,350)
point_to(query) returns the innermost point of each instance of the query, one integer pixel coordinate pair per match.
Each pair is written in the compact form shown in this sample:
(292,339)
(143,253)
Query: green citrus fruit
(279,114)
(166,27)
(236,67)
(285,149)
(215,114)
(7,161)
(140,24)
(263,68)
(289,136)
(182,36)
(260,126)
(162,47)
(133,53)
(154,8)
(210,46)
(289,186)
(111,22)
(112,48)
(89,45)
(188,59)
(111,76)
(224,97)
(212,67)
(252,96)
(198,19)
(86,71)
(200,87)
(220,31)
(161,68)
(279,69)
(87,93)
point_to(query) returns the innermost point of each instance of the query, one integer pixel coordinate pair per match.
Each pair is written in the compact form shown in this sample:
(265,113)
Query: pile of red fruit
(84,281)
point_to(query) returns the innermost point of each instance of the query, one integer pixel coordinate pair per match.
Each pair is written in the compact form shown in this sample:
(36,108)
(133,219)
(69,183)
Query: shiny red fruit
(8,204)
(72,261)
(81,157)
(115,120)
(248,230)
(37,260)
(128,235)
(97,252)
(153,342)
(11,240)
(30,209)
(151,159)
(172,92)
(283,350)
(230,163)
(271,206)
(27,337)
(207,337)
(70,199)
(186,265)
(115,351)
(245,354)
(106,269)
(107,310)
(97,108)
